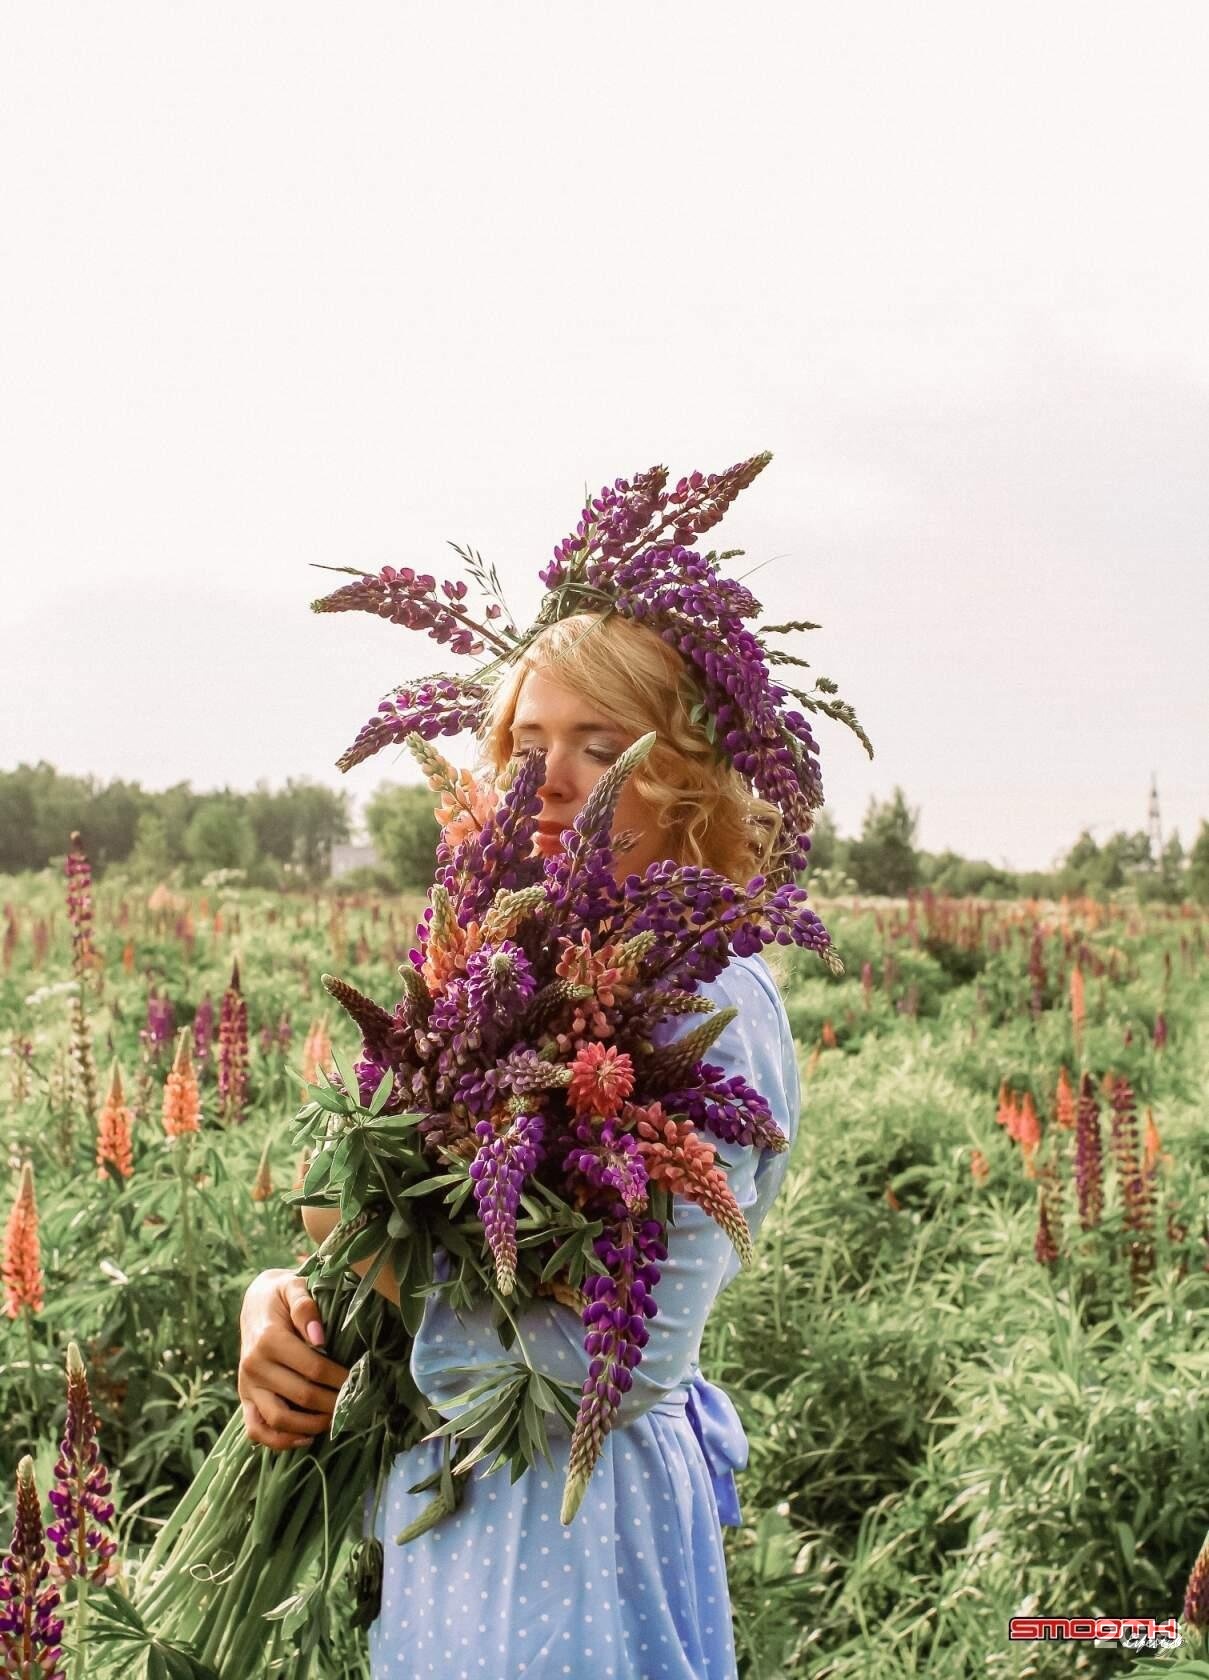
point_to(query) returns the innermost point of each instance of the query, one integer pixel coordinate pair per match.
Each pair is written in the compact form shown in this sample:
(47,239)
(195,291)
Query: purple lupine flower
(500,1167)
(161,1022)
(729,1108)
(441,706)
(233,1049)
(618,1304)
(79,907)
(203,1030)
(404,597)
(499,981)
(30,1632)
(265,1038)
(80,1495)
(609,1160)
(500,856)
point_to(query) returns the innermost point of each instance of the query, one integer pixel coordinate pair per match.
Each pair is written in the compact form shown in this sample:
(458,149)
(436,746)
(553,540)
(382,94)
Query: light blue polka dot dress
(635,1588)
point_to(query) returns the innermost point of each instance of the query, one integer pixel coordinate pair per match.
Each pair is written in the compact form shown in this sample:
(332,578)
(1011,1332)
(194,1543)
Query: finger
(281,1416)
(258,1430)
(288,1385)
(283,1347)
(304,1314)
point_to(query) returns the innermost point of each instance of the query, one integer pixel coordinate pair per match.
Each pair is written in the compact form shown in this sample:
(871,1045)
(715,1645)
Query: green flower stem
(32,1356)
(77,1660)
(182,1162)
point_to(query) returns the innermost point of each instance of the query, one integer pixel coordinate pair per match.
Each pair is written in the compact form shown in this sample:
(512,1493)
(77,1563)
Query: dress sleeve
(701,1259)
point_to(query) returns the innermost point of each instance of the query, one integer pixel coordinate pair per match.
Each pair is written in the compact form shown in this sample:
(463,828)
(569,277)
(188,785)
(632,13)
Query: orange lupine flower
(601,1079)
(316,1052)
(182,1103)
(114,1130)
(22,1254)
(1005,1111)
(980,1168)
(128,956)
(464,808)
(262,1184)
(682,1161)
(1065,1107)
(1152,1143)
(829,1038)
(892,1201)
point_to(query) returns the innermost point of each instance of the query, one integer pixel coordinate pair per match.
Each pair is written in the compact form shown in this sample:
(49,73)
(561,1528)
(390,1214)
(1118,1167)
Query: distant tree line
(269,834)
(274,836)
(884,859)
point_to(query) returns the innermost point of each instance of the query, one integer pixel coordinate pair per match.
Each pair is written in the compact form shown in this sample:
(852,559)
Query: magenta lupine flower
(30,1632)
(233,1049)
(266,1039)
(618,1304)
(285,1031)
(80,1496)
(203,1030)
(499,1169)
(1089,1156)
(1160,1030)
(79,907)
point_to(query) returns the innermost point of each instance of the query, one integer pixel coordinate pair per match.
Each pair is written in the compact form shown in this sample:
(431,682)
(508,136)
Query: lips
(554,828)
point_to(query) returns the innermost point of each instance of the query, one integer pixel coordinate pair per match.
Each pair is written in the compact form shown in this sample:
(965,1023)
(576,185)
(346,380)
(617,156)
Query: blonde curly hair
(711,816)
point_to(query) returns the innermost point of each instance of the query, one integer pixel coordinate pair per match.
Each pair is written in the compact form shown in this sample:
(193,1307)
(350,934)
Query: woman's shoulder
(747,981)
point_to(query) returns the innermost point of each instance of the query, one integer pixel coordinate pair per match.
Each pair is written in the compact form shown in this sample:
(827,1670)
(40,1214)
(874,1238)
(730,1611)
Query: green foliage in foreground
(943,1431)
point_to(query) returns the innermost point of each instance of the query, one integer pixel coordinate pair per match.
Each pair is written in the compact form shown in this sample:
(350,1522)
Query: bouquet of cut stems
(520,1110)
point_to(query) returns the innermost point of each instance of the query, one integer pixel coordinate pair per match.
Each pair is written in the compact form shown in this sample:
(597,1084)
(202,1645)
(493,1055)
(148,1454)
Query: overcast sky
(295,283)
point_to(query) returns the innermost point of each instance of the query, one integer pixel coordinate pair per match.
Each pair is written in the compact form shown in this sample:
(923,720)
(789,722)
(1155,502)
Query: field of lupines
(967,1356)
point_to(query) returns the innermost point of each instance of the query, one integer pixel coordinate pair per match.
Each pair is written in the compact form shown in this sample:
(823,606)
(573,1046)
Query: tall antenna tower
(1154,828)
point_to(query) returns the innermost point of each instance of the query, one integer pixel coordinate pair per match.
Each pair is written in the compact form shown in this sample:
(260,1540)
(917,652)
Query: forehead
(543,703)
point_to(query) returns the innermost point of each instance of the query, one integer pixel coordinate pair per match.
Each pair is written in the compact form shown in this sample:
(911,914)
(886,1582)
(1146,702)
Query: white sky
(284,284)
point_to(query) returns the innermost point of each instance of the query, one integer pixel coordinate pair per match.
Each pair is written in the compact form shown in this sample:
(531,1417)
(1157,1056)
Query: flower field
(966,1354)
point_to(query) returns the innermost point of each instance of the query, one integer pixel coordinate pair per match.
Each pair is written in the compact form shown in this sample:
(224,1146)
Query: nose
(558,788)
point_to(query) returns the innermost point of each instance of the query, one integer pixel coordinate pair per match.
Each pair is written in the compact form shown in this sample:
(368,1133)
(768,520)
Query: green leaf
(427,1185)
(382,1092)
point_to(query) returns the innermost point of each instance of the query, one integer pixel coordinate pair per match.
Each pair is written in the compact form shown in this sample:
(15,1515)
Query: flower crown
(630,554)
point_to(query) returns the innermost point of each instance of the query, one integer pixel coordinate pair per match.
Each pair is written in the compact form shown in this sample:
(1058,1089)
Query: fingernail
(314,1332)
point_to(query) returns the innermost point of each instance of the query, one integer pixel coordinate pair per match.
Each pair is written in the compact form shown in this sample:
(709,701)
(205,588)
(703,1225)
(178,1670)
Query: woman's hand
(287,1387)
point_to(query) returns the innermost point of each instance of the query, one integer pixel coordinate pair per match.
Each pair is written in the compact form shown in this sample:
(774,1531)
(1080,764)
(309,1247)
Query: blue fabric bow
(715,1422)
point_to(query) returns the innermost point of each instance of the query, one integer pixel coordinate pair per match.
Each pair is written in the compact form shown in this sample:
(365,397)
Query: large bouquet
(521,1109)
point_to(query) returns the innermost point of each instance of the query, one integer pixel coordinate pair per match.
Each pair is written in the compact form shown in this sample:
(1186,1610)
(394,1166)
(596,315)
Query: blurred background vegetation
(276,838)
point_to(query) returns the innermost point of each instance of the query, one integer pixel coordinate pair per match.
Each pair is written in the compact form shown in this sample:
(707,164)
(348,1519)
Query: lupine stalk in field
(23,1279)
(1089,1157)
(1078,1009)
(182,1117)
(30,1632)
(115,1130)
(83,1062)
(1160,1030)
(233,1050)
(79,909)
(1065,1107)
(1044,1247)
(262,1184)
(980,1168)
(1136,1191)
(316,1053)
(84,1551)
(203,1030)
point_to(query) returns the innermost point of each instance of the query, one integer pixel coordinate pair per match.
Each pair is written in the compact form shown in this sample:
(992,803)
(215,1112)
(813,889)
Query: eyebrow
(576,729)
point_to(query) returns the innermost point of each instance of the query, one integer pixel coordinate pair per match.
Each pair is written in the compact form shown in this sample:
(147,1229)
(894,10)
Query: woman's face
(580,743)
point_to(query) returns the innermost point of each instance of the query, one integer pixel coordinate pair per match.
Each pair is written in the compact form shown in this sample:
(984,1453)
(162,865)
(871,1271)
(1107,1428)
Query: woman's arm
(321,1222)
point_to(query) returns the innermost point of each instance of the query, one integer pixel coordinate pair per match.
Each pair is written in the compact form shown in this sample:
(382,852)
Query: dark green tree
(404,831)
(1197,878)
(884,859)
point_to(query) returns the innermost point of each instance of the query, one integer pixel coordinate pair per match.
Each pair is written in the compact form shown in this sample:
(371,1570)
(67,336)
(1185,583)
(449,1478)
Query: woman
(636,1586)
